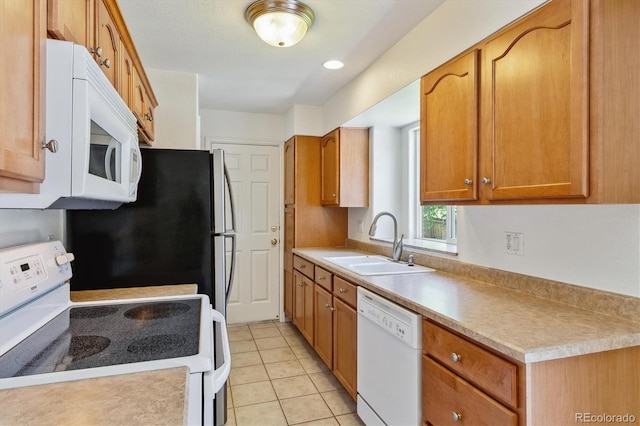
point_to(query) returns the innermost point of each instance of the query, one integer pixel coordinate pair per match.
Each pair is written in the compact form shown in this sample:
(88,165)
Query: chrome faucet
(397,244)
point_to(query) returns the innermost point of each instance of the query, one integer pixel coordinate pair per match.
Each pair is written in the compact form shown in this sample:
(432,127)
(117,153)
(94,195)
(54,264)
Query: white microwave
(98,162)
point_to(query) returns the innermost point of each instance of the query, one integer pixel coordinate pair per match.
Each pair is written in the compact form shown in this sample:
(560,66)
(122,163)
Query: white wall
(595,246)
(176,116)
(241,127)
(304,120)
(30,226)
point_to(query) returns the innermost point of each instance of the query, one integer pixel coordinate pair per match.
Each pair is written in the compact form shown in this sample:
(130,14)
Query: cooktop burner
(104,335)
(93,312)
(157,310)
(160,343)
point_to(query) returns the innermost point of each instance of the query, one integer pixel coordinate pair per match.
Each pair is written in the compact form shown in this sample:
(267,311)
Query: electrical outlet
(514,243)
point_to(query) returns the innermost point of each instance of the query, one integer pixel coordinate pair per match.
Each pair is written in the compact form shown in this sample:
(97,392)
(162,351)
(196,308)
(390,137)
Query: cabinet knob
(149,117)
(52,145)
(342,290)
(97,51)
(106,63)
(300,283)
(486,181)
(333,195)
(456,416)
(468,181)
(331,308)
(455,357)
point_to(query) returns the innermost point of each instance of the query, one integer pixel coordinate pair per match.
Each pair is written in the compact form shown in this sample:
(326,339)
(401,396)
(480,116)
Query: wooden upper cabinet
(107,42)
(142,108)
(535,106)
(345,168)
(449,131)
(125,76)
(71,20)
(330,149)
(22,95)
(289,172)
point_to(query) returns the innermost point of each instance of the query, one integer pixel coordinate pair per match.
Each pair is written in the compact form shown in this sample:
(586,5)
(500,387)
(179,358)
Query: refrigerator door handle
(232,206)
(232,267)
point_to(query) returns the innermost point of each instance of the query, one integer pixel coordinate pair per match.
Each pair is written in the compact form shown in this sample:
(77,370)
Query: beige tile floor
(278,379)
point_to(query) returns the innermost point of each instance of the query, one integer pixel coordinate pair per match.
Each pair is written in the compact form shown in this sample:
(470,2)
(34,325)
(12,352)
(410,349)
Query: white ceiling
(239,72)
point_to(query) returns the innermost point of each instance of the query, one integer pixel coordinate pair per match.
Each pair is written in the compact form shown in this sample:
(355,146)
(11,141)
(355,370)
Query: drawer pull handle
(455,357)
(321,278)
(302,266)
(456,416)
(342,290)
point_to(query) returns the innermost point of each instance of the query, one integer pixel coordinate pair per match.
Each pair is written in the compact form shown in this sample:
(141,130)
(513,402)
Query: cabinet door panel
(289,172)
(107,39)
(22,88)
(70,20)
(307,326)
(298,300)
(449,131)
(330,164)
(345,347)
(535,94)
(323,325)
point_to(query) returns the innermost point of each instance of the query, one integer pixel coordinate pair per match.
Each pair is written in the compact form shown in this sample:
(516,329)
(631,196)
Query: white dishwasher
(389,364)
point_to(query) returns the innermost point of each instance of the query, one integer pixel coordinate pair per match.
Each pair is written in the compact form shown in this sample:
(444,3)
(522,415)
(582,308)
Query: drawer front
(303,266)
(346,291)
(447,399)
(324,278)
(492,374)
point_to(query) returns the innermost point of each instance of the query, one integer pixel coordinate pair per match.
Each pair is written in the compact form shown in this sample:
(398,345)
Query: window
(438,223)
(432,223)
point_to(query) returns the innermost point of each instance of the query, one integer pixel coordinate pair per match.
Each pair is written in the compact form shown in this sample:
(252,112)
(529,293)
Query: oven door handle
(221,374)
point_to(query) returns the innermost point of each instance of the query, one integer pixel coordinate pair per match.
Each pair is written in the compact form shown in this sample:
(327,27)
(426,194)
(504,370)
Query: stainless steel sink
(375,265)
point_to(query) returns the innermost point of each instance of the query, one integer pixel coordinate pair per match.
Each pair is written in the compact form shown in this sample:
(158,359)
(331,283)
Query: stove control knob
(64,258)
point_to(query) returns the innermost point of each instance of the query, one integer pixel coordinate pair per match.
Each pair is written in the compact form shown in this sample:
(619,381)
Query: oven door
(204,386)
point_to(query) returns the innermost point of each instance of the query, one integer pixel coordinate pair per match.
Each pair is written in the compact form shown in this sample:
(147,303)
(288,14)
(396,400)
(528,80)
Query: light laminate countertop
(156,397)
(519,325)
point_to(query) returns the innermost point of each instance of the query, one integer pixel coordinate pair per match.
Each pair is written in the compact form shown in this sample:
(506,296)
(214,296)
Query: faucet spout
(397,243)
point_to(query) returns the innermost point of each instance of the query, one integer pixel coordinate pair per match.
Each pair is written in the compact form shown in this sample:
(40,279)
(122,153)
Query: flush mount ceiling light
(280,23)
(333,64)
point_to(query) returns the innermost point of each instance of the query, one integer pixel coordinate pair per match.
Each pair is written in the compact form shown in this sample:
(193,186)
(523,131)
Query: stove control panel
(30,270)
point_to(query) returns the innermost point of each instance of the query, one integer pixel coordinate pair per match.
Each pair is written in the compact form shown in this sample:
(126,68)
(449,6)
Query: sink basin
(375,265)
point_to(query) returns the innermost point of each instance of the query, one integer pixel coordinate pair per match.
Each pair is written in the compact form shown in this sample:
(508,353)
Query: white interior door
(255,180)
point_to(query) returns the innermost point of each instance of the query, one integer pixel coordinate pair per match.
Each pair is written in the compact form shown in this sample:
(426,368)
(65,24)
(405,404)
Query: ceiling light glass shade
(280,23)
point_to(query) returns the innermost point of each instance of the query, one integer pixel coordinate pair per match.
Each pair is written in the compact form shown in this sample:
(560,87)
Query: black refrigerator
(176,232)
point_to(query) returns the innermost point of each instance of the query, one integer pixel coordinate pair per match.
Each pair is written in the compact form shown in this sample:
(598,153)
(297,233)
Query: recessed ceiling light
(333,64)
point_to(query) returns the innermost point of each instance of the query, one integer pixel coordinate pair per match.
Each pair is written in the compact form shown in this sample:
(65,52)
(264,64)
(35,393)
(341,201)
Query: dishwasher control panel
(396,320)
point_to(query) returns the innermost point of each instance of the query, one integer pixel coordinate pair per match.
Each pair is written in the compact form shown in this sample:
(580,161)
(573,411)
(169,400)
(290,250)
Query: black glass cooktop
(104,335)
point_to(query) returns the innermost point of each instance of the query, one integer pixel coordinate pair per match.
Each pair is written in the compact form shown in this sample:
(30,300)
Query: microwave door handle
(136,152)
(107,159)
(221,374)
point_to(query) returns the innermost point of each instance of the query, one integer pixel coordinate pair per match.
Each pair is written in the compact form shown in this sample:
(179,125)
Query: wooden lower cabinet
(465,384)
(448,399)
(333,321)
(345,348)
(323,325)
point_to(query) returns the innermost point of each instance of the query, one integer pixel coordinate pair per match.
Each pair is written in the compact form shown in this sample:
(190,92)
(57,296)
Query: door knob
(274,241)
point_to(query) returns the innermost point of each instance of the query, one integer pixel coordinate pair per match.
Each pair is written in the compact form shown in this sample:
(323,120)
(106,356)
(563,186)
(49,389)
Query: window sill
(424,245)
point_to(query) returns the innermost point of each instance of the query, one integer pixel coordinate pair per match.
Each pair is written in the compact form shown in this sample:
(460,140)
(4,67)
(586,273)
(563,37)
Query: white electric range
(46,338)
